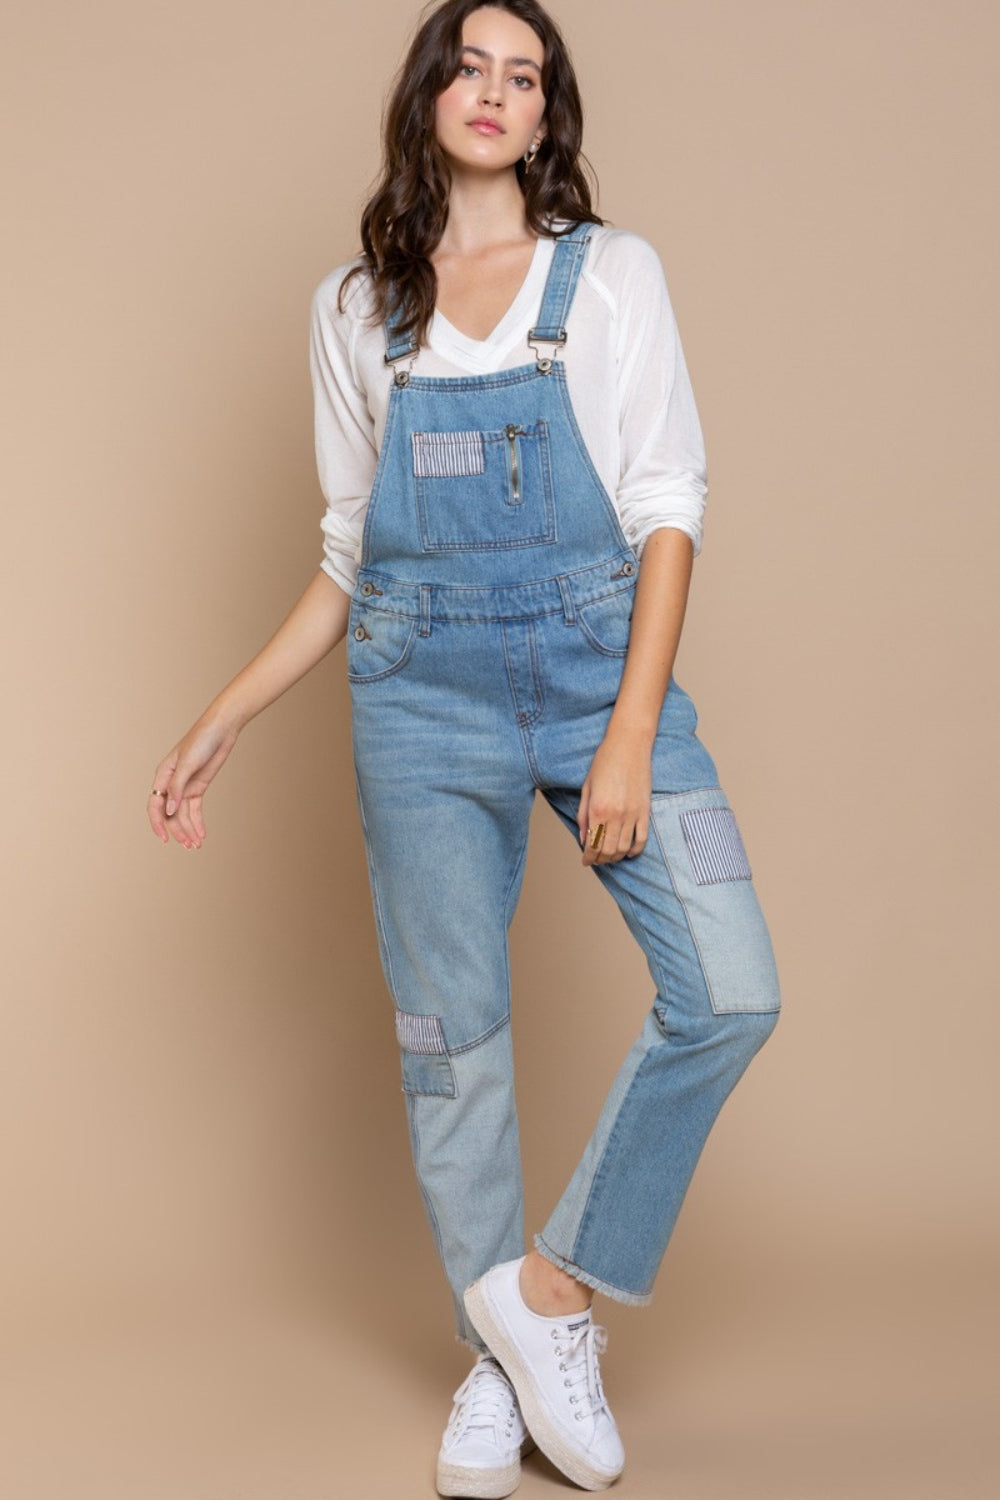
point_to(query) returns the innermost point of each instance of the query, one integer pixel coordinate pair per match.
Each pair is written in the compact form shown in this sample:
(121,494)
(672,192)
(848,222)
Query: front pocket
(701,844)
(378,643)
(607,623)
(478,491)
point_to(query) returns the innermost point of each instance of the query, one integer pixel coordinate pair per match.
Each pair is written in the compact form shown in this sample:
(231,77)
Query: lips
(486,126)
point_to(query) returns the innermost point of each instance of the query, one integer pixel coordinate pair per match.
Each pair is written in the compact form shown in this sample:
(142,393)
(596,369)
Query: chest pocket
(477,491)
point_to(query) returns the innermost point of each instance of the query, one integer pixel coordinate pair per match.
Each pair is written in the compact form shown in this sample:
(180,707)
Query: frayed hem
(630,1299)
(476,1348)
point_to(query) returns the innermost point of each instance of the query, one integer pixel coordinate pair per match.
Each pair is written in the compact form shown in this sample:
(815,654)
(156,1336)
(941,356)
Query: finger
(610,851)
(617,840)
(178,823)
(182,817)
(590,828)
(626,837)
(178,792)
(176,831)
(183,770)
(155,803)
(597,856)
(154,812)
(583,815)
(640,838)
(196,818)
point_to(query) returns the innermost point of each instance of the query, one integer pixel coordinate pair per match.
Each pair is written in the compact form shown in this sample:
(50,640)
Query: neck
(483,210)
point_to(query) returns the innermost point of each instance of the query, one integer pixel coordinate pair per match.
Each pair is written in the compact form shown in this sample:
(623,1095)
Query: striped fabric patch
(447,455)
(419,1033)
(714,844)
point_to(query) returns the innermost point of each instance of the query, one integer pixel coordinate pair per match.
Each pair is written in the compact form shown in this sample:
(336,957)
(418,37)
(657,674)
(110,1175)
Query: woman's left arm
(660,495)
(618,786)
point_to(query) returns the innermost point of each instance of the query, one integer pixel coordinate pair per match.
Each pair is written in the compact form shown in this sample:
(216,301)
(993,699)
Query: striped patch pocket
(714,845)
(426,1062)
(447,455)
(419,1033)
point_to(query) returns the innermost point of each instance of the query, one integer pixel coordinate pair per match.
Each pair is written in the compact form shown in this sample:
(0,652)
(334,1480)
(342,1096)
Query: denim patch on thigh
(426,1064)
(701,844)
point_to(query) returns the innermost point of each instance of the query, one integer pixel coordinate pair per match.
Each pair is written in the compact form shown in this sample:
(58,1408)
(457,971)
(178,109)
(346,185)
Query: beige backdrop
(217,1280)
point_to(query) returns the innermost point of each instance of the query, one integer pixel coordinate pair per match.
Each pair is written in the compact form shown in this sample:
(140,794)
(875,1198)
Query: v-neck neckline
(443,333)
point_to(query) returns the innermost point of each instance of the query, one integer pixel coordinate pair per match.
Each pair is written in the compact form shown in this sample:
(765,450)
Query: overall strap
(564,272)
(557,298)
(397,345)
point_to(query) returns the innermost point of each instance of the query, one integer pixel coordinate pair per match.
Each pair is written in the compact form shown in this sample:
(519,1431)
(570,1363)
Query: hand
(184,775)
(617,793)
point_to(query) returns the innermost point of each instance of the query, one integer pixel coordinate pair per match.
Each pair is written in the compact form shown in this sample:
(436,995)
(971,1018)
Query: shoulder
(623,263)
(358,296)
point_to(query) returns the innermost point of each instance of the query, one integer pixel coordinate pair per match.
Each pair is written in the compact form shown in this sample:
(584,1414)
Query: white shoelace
(484,1399)
(578,1350)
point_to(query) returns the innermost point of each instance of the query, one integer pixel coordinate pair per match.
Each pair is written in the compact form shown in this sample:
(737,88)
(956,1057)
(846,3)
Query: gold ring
(155,793)
(595,836)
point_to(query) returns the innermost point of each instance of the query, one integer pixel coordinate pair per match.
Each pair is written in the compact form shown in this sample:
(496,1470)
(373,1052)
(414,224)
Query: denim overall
(486,640)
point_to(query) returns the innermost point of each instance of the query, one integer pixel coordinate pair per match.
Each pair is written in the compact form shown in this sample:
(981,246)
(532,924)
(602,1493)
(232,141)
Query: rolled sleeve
(664,478)
(346,451)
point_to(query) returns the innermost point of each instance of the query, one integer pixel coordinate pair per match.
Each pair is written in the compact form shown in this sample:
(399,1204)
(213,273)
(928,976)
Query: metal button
(628,569)
(366,588)
(360,633)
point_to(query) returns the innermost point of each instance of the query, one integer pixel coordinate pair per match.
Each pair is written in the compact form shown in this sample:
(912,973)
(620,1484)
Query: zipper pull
(512,430)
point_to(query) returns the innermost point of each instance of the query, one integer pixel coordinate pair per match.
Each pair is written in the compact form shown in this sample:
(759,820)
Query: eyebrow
(517,62)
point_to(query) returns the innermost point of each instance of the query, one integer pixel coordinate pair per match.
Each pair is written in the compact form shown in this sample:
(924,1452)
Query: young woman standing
(505,427)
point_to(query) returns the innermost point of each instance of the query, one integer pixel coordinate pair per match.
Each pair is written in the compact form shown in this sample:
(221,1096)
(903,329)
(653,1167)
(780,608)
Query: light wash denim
(487,635)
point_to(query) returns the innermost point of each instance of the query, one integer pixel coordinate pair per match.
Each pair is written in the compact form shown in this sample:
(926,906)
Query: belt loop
(425,609)
(566,593)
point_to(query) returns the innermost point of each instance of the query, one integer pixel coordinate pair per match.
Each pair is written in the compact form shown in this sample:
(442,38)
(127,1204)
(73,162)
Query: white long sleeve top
(625,368)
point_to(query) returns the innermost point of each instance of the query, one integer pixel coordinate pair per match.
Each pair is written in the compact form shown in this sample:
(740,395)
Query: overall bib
(486,640)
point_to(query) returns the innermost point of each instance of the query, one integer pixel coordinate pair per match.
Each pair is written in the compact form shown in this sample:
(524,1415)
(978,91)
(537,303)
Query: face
(492,111)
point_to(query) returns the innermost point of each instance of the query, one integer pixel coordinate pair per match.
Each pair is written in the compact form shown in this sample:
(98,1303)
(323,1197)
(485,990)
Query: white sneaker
(485,1438)
(552,1365)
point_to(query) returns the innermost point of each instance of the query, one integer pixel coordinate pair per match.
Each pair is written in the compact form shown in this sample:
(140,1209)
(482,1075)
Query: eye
(522,78)
(471,67)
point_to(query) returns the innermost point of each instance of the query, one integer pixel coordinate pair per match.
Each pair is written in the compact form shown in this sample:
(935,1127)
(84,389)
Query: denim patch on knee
(426,1064)
(704,853)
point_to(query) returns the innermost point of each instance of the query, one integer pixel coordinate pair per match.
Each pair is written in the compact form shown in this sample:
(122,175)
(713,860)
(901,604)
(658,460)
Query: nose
(491,93)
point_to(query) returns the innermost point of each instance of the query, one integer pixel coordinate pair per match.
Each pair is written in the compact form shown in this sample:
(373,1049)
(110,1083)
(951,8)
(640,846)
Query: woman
(504,427)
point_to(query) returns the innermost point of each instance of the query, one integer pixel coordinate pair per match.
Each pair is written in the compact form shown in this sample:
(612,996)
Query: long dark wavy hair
(405,217)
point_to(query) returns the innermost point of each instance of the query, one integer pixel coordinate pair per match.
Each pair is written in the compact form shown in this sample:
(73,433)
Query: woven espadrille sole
(536,1417)
(482,1484)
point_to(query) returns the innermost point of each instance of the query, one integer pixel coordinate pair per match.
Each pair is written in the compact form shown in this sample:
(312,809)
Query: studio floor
(833,1382)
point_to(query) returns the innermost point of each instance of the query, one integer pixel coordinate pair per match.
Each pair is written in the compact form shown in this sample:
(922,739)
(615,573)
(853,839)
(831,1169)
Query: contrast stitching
(478,1041)
(400,661)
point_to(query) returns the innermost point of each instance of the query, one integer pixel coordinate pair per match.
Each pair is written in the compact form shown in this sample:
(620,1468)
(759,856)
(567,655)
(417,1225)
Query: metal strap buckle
(543,363)
(402,377)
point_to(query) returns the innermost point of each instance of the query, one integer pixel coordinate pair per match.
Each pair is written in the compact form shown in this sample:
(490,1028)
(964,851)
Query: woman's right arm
(315,625)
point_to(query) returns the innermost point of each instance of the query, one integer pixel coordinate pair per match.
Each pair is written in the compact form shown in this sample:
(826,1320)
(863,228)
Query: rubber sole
(482,1484)
(536,1417)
